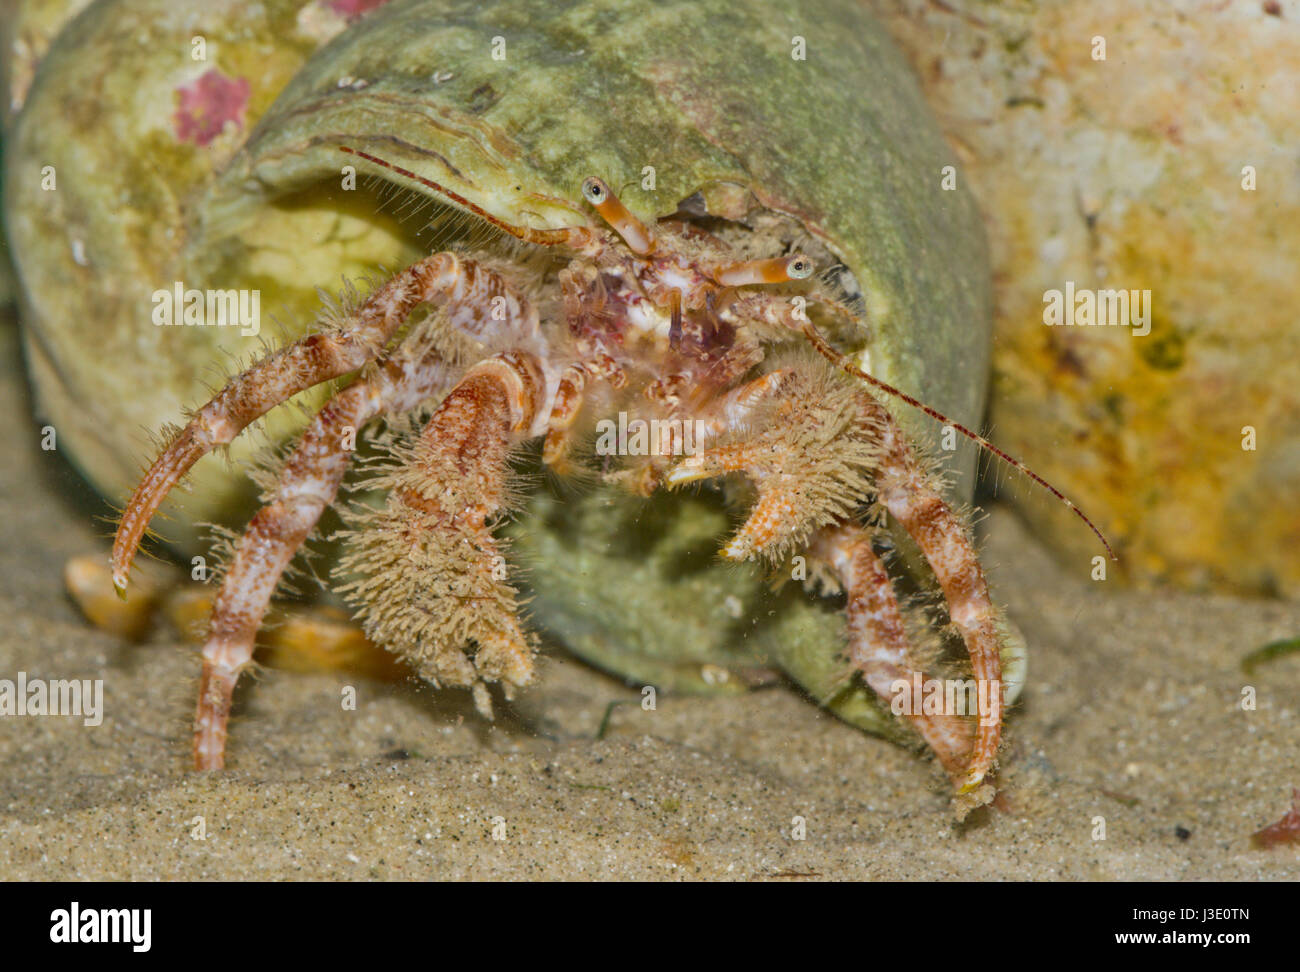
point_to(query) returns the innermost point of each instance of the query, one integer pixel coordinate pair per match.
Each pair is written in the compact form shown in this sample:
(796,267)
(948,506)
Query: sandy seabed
(1132,714)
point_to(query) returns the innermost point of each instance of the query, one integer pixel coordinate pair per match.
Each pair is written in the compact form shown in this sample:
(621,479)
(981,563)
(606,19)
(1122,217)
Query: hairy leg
(425,574)
(307,484)
(878,644)
(814,454)
(807,446)
(910,495)
(467,288)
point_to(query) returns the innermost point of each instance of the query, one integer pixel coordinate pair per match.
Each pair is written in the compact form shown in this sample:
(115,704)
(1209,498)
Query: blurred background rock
(1131,172)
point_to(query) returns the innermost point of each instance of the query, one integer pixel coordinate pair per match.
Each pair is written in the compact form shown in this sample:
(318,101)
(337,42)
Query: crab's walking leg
(878,645)
(307,484)
(814,459)
(425,573)
(809,451)
(736,407)
(911,498)
(569,396)
(726,414)
(309,361)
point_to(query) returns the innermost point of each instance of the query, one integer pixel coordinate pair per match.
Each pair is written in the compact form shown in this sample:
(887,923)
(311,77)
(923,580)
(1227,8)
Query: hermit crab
(664,321)
(680,219)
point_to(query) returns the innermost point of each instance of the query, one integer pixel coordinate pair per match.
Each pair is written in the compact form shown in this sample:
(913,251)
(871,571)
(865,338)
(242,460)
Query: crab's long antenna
(574,236)
(837,359)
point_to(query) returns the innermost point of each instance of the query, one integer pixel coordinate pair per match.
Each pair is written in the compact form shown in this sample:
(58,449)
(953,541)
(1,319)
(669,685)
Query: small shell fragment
(325,639)
(89,582)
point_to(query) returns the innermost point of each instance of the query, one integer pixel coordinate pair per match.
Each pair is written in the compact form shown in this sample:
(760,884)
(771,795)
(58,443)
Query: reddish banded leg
(815,456)
(734,410)
(361,337)
(723,417)
(909,495)
(307,484)
(878,645)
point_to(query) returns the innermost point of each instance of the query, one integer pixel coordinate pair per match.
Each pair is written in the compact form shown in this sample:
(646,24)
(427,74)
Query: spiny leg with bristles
(912,498)
(316,358)
(425,574)
(878,643)
(307,484)
(309,480)
(817,454)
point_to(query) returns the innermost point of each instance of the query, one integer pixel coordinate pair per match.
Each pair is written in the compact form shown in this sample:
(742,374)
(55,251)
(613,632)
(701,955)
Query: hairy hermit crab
(671,244)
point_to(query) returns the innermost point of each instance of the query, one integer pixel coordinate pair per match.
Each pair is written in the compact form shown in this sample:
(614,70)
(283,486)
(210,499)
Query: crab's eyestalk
(620,219)
(776,270)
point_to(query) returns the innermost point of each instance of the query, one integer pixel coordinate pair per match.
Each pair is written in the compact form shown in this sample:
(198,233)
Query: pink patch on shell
(352,9)
(204,107)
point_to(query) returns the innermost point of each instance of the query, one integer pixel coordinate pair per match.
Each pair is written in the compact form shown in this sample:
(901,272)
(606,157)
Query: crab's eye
(771,270)
(799,267)
(613,212)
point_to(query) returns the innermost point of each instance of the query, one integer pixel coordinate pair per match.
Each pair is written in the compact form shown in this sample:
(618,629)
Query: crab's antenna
(841,362)
(574,236)
(618,216)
